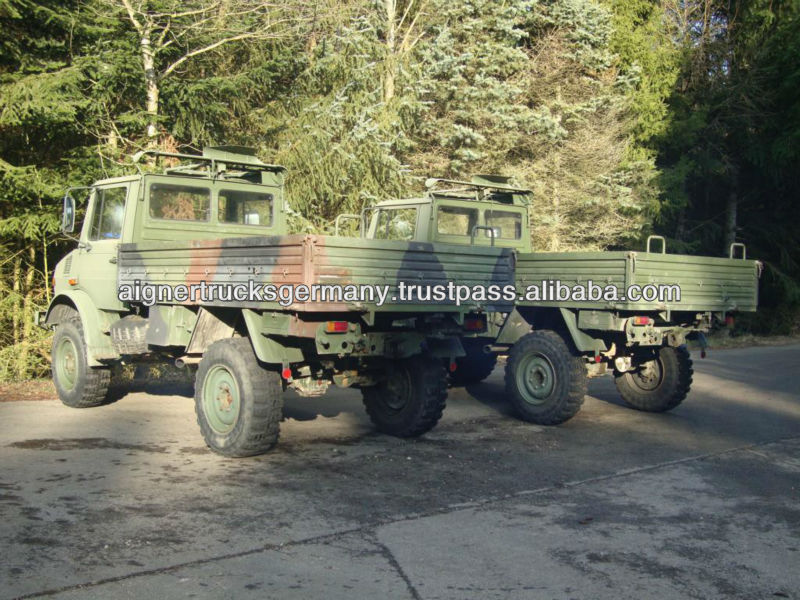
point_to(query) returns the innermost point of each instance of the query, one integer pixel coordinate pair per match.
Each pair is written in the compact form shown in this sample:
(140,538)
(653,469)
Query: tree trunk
(27,317)
(391,49)
(16,309)
(112,141)
(680,228)
(151,87)
(46,269)
(731,208)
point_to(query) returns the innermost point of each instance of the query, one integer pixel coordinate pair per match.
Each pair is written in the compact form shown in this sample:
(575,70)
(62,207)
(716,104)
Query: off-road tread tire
(675,386)
(91,387)
(424,409)
(261,400)
(571,379)
(476,366)
(130,340)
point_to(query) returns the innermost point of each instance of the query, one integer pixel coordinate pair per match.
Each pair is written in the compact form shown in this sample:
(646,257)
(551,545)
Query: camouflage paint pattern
(295,260)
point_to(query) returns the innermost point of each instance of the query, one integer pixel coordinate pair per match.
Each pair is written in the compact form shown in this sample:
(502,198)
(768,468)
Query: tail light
(642,321)
(336,326)
(475,323)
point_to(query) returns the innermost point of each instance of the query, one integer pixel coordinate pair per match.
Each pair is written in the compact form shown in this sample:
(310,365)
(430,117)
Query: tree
(531,89)
(171,33)
(730,151)
(44,128)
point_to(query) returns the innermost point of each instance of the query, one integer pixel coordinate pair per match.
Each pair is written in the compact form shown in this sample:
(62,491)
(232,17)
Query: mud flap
(444,348)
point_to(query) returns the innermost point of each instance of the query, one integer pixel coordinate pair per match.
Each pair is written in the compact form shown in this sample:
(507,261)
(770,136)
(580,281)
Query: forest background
(626,117)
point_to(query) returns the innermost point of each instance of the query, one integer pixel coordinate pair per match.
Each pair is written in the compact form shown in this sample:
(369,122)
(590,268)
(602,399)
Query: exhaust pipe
(184,361)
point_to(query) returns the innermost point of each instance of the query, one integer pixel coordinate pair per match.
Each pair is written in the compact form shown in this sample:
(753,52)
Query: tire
(78,385)
(410,401)
(545,381)
(239,404)
(128,335)
(476,366)
(660,384)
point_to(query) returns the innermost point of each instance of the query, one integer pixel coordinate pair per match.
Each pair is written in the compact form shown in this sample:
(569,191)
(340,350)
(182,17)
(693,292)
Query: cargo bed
(706,283)
(312,259)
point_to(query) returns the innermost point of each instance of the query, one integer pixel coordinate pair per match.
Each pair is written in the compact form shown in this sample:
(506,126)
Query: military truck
(554,343)
(219,221)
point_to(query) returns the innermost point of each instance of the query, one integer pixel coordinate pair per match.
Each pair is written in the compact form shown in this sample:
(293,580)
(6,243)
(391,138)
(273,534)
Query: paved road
(124,501)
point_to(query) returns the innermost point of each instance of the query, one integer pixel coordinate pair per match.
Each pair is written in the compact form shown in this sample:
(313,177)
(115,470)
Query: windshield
(109,210)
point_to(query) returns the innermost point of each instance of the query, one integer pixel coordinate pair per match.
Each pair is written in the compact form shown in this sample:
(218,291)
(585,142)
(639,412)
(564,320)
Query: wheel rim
(398,390)
(648,376)
(67,363)
(221,399)
(536,378)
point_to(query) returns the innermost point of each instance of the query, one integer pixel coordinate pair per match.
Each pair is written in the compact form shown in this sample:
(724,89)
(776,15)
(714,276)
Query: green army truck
(554,342)
(219,221)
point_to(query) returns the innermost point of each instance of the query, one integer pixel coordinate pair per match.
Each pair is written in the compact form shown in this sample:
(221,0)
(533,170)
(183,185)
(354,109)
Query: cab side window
(245,208)
(507,225)
(109,212)
(397,224)
(455,220)
(179,202)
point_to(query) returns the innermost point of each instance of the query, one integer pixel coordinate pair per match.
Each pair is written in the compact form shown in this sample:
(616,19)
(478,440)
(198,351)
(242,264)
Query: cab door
(100,238)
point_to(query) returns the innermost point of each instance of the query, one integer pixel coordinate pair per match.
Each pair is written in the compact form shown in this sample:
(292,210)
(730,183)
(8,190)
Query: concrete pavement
(125,501)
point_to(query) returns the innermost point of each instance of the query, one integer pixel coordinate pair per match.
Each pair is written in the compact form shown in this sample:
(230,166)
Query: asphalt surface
(124,501)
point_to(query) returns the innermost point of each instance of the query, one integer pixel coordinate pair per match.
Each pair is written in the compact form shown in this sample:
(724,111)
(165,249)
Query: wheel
(659,384)
(411,399)
(78,385)
(476,366)
(239,404)
(545,382)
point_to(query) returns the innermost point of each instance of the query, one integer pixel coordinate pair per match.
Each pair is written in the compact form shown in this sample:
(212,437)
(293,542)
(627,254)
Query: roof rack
(492,187)
(213,157)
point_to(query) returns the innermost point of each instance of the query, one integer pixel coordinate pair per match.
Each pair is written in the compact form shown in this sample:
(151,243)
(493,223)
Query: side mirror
(68,215)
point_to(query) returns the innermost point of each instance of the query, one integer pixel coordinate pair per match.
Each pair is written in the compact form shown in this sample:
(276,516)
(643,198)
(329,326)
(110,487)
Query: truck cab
(487,211)
(225,192)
